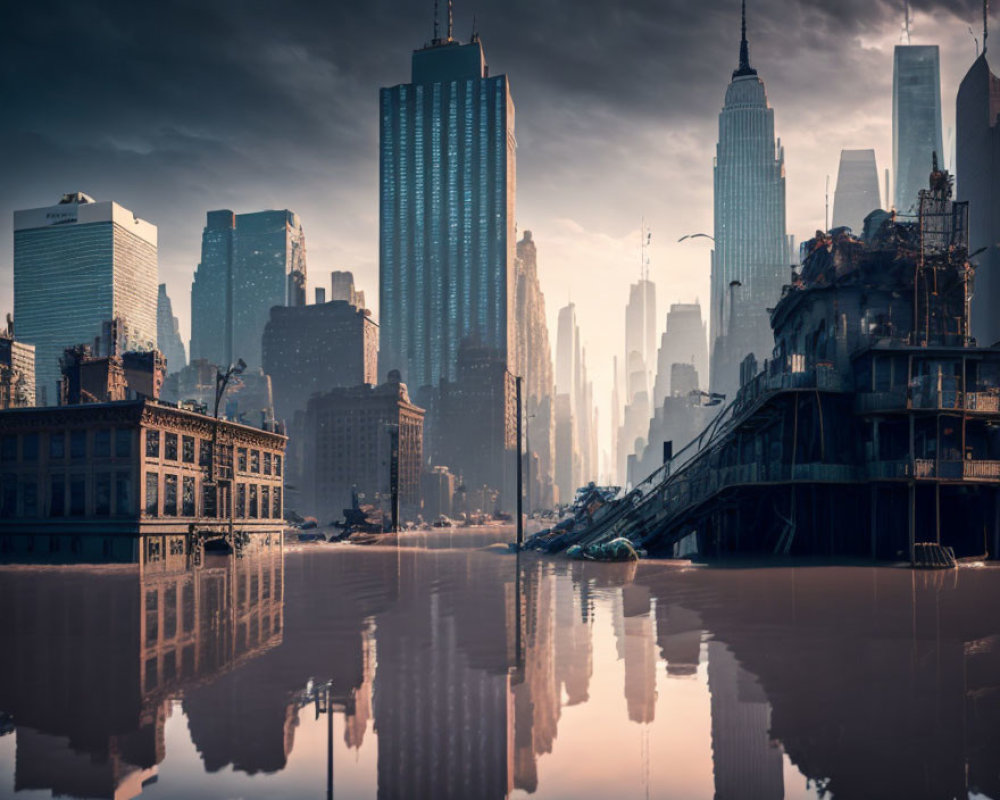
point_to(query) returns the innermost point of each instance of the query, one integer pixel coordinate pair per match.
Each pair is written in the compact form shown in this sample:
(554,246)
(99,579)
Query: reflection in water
(628,680)
(92,657)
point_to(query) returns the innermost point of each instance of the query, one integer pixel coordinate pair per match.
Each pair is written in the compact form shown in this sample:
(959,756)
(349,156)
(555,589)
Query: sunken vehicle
(872,430)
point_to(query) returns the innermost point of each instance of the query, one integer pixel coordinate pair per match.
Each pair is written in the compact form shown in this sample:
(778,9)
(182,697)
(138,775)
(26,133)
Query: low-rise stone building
(114,471)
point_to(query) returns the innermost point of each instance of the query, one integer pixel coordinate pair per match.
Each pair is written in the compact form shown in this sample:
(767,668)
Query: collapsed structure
(874,427)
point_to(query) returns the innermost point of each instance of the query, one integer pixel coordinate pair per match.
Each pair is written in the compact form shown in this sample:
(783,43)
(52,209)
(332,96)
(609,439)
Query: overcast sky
(175,108)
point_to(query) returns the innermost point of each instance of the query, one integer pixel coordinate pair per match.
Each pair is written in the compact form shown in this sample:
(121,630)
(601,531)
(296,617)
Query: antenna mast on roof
(906,20)
(436,39)
(450,23)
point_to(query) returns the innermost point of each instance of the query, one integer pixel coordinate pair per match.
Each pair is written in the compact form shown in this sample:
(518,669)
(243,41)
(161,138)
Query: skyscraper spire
(986,23)
(744,68)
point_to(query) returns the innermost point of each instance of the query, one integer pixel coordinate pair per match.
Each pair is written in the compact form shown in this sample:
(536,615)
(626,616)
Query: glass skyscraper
(916,121)
(446,200)
(77,265)
(750,245)
(249,263)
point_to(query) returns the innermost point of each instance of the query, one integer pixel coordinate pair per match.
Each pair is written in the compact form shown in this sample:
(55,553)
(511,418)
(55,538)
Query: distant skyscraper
(750,245)
(683,342)
(568,380)
(76,265)
(17,371)
(857,193)
(446,197)
(916,121)
(640,331)
(249,263)
(168,335)
(534,363)
(978,166)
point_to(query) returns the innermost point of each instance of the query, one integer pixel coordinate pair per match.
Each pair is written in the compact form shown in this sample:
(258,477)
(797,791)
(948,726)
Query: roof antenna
(437,39)
(906,20)
(475,33)
(450,25)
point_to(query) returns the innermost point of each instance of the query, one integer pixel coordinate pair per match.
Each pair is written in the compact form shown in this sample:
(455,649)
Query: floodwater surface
(446,670)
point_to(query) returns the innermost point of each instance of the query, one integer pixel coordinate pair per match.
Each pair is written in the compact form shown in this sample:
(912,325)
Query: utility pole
(520,476)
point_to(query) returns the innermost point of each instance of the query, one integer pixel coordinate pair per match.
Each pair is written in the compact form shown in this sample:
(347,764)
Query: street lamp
(695,236)
(221,382)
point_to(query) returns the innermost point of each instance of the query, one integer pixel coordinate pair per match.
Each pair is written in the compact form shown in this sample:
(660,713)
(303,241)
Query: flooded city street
(446,669)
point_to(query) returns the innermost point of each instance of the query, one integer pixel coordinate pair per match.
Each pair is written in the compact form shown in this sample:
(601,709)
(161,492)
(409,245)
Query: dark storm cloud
(176,107)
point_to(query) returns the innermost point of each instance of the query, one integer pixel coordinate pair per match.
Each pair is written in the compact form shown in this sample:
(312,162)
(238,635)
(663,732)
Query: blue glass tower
(77,265)
(446,203)
(916,121)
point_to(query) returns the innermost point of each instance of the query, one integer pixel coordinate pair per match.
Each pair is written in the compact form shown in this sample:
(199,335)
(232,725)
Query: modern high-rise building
(977,153)
(168,334)
(78,264)
(446,198)
(249,263)
(916,121)
(857,193)
(748,263)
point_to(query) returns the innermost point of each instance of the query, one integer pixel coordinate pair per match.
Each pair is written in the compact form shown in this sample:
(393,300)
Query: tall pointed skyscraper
(916,121)
(748,263)
(977,155)
(446,202)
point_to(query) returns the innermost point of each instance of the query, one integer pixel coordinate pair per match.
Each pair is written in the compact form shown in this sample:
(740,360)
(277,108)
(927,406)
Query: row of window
(109,494)
(77,445)
(170,495)
(181,448)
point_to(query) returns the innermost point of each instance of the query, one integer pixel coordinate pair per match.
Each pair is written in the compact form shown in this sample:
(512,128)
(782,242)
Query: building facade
(749,261)
(977,151)
(446,204)
(249,263)
(857,193)
(136,467)
(351,431)
(77,264)
(916,121)
(168,335)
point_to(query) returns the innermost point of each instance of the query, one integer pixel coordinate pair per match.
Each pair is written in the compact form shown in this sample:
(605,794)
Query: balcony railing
(926,400)
(972,469)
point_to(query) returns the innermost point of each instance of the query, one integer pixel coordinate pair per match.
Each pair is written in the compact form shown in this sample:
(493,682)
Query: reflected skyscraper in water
(747,763)
(95,655)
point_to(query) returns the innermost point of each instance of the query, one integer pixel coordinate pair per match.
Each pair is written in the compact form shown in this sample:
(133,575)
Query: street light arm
(696,236)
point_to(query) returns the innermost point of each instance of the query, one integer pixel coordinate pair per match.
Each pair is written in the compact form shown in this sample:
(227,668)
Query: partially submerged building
(875,425)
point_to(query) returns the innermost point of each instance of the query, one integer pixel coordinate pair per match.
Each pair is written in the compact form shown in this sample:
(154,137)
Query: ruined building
(873,426)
